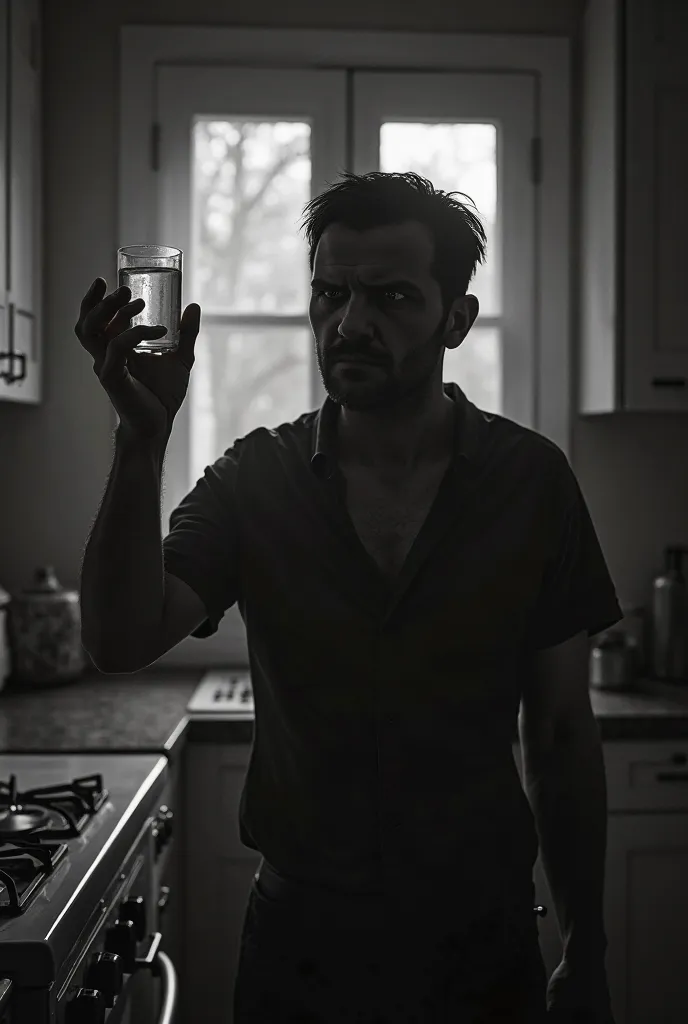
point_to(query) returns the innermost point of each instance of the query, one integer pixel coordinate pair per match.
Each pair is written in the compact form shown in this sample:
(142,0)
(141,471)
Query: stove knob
(134,909)
(105,973)
(166,817)
(86,1007)
(121,939)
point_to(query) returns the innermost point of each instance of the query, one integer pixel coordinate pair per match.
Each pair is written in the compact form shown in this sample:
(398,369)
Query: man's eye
(394,292)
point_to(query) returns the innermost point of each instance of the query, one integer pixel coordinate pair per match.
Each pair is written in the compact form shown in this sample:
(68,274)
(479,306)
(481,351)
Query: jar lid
(44,581)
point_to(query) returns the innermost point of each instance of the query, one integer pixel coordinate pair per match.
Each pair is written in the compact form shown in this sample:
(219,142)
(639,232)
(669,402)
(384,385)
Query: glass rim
(150,252)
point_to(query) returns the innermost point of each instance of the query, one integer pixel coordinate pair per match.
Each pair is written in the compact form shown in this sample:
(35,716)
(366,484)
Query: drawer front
(647,776)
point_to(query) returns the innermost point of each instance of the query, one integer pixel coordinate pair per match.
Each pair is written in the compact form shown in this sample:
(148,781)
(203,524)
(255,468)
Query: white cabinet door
(656,206)
(24,227)
(646,913)
(634,207)
(4,185)
(470,133)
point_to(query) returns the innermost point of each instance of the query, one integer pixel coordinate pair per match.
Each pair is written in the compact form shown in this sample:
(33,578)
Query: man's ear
(462,314)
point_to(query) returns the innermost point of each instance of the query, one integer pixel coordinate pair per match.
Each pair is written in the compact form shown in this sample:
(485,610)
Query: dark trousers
(316,959)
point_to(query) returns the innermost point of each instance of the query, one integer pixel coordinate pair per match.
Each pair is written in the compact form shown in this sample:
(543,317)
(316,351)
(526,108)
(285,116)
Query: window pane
(476,366)
(456,158)
(251,180)
(245,378)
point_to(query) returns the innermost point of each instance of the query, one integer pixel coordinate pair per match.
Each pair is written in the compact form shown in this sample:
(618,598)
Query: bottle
(670,619)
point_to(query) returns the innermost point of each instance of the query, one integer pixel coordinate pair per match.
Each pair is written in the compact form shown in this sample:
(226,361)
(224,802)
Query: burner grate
(24,866)
(72,804)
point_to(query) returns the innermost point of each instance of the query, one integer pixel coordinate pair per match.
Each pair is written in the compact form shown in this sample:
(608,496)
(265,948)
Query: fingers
(92,296)
(122,318)
(188,332)
(96,312)
(114,366)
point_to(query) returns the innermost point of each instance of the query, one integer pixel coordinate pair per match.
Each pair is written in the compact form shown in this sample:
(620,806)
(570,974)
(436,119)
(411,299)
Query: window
(244,150)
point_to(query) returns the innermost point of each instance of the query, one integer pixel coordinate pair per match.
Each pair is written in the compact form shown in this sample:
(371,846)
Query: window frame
(142,47)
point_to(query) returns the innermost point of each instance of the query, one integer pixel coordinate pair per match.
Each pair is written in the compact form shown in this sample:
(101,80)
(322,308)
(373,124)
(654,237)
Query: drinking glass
(154,274)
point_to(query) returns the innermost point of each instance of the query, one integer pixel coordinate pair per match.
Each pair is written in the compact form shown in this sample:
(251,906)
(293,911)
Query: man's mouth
(357,360)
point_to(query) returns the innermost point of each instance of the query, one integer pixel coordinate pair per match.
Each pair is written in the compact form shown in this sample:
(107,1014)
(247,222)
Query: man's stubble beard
(385,394)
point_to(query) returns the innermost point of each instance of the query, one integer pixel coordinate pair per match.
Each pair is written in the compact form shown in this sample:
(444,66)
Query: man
(410,570)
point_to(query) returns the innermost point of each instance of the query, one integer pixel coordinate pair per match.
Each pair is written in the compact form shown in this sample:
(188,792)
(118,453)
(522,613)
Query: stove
(82,840)
(223,694)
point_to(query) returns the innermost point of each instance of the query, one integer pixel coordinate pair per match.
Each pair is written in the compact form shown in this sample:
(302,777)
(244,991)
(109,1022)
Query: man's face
(376,314)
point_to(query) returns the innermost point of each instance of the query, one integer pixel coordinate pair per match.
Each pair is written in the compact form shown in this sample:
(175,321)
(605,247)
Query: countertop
(146,712)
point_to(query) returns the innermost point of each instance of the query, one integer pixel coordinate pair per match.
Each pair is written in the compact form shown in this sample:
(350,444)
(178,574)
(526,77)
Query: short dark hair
(363,201)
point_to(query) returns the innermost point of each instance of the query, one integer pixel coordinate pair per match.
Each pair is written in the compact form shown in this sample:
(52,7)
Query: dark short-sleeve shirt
(386,711)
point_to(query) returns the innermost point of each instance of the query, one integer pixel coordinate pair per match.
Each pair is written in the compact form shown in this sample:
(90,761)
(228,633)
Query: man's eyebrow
(401,284)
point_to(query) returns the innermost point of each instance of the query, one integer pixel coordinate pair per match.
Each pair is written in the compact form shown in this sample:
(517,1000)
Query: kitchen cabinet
(634,207)
(646,892)
(647,911)
(21,208)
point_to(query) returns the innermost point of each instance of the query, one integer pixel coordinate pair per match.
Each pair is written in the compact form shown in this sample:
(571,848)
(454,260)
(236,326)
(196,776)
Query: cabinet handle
(9,375)
(668,382)
(672,776)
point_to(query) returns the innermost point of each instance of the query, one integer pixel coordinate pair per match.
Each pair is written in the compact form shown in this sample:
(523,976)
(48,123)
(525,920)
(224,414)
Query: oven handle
(162,967)
(149,960)
(169,988)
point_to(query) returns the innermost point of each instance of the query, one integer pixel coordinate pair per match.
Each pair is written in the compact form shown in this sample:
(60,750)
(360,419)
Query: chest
(389,516)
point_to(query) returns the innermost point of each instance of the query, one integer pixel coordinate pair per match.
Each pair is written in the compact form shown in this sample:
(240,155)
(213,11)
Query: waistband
(520,902)
(277,886)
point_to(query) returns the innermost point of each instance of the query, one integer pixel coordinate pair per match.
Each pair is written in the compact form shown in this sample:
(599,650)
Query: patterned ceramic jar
(45,632)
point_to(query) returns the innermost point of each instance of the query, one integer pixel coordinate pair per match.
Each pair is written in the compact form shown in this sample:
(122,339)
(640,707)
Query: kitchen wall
(54,458)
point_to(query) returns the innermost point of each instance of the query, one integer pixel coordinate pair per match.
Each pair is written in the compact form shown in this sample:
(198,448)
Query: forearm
(566,787)
(122,576)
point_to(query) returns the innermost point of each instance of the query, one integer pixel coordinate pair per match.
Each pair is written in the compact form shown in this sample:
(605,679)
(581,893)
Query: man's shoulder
(288,440)
(535,452)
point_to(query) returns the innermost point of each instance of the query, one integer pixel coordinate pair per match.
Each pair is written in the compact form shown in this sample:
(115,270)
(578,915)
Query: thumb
(188,332)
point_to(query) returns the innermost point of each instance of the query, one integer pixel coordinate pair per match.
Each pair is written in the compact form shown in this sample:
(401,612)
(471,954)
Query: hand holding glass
(154,273)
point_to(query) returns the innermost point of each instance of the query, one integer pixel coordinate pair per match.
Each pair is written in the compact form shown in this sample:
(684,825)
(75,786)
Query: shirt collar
(470,425)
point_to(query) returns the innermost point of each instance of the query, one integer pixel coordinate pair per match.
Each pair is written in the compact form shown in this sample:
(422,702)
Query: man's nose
(356,321)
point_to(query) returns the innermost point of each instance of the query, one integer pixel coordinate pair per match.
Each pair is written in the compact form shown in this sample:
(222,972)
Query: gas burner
(24,866)
(55,812)
(18,819)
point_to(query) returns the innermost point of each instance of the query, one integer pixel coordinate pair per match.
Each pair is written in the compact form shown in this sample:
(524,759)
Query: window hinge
(536,160)
(155,146)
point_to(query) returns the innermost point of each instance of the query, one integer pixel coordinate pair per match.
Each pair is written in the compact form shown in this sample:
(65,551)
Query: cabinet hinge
(155,146)
(536,160)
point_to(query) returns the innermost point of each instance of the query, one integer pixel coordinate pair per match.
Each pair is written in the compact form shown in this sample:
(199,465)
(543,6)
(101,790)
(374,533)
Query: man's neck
(397,441)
